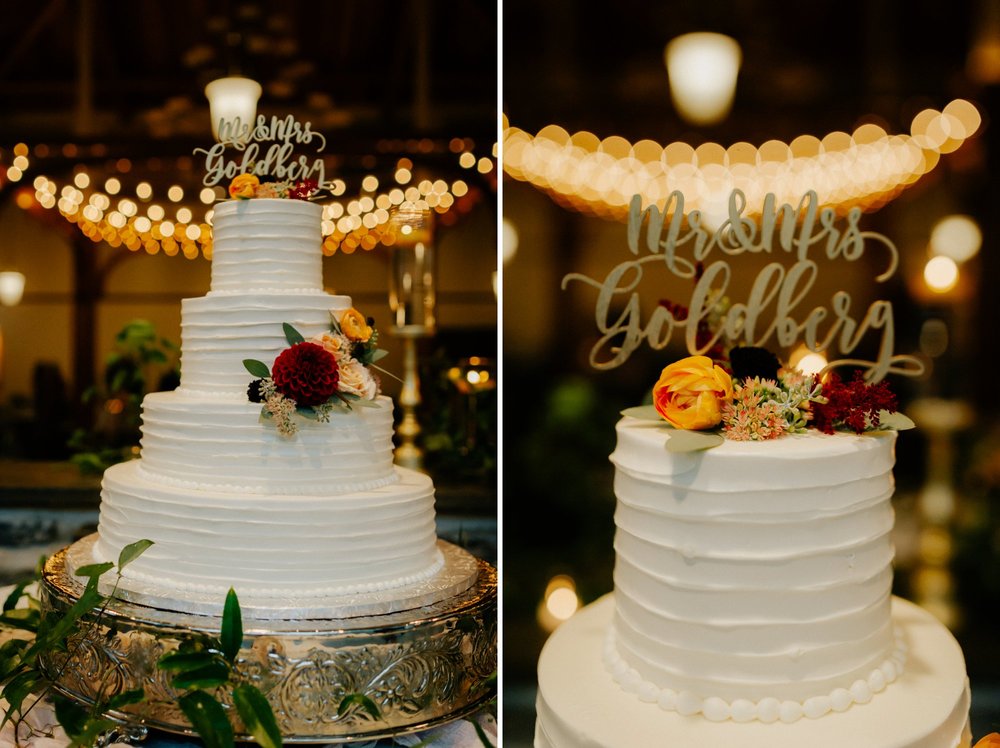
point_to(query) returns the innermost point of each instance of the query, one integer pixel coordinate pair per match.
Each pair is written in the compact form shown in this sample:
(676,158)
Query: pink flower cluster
(752,415)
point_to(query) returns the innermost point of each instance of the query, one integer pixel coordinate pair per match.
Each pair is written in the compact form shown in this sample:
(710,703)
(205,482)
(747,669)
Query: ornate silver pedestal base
(422,667)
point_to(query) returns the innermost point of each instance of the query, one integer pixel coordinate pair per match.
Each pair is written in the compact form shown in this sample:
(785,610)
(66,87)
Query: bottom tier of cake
(581,706)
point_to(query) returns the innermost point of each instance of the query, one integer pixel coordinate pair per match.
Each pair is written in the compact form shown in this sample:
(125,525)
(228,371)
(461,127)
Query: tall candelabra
(412,299)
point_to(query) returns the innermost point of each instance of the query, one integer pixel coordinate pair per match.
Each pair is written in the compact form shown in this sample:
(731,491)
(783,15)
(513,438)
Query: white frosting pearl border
(766,710)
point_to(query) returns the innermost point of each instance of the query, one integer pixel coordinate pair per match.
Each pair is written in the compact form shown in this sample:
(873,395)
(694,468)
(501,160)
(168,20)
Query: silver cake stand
(423,664)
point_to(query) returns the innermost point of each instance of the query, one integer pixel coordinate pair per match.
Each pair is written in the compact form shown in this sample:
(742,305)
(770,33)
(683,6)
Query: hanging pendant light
(232,103)
(702,68)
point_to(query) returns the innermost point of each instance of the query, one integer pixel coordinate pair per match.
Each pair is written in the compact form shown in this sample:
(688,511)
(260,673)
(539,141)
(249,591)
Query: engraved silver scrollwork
(420,667)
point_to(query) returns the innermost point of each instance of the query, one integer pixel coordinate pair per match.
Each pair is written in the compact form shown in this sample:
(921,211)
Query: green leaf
(894,421)
(25,619)
(15,596)
(131,552)
(72,717)
(257,715)
(212,675)
(125,698)
(358,699)
(17,690)
(480,732)
(231,634)
(377,355)
(292,335)
(94,570)
(208,719)
(645,413)
(307,411)
(257,368)
(54,631)
(683,440)
(184,662)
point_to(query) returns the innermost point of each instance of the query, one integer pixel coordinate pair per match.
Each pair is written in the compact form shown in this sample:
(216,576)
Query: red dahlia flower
(307,373)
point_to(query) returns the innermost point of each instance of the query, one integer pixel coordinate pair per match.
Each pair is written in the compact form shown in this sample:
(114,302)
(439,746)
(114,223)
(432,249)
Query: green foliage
(257,368)
(57,637)
(205,668)
(141,362)
(131,552)
(361,701)
(292,335)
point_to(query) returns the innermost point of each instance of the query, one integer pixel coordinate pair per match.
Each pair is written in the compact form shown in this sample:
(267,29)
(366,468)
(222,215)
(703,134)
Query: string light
(866,168)
(366,224)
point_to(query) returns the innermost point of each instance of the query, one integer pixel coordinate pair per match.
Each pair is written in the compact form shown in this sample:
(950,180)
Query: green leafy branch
(58,635)
(204,667)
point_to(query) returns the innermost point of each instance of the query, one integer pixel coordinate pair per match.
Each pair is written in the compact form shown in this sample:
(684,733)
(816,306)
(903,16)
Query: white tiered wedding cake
(227,499)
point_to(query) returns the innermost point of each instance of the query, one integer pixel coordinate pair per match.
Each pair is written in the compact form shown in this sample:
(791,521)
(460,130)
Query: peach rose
(990,741)
(691,392)
(355,327)
(355,379)
(336,344)
(243,186)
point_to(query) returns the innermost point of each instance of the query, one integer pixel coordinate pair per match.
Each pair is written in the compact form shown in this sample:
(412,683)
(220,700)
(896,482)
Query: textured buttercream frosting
(226,499)
(755,570)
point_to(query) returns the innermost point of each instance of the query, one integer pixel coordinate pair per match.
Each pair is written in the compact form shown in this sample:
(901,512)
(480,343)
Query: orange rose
(990,741)
(355,327)
(691,392)
(243,186)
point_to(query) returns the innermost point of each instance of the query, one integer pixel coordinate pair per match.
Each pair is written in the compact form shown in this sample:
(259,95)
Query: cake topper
(278,161)
(806,233)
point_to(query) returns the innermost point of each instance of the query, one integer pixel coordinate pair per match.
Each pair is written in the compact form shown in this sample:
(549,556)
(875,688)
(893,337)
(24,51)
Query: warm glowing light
(175,194)
(559,604)
(82,180)
(808,362)
(369,183)
(112,186)
(232,103)
(192,232)
(957,237)
(21,162)
(13,174)
(184,215)
(142,224)
(403,176)
(467,160)
(702,68)
(207,195)
(510,241)
(941,274)
(485,165)
(11,288)
(155,212)
(166,229)
(144,190)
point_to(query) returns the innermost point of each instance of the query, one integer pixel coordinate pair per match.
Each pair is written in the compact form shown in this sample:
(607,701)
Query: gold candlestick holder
(412,299)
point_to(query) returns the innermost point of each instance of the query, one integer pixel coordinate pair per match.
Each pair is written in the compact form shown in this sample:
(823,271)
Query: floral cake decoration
(758,399)
(315,378)
(247,186)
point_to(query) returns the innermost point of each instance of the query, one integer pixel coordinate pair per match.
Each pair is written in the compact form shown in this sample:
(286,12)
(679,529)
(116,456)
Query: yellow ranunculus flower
(355,327)
(990,741)
(691,392)
(243,186)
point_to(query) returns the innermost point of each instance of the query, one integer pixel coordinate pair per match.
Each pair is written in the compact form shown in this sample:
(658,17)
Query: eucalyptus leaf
(292,335)
(377,355)
(231,635)
(212,675)
(94,570)
(131,552)
(683,440)
(307,411)
(895,421)
(257,715)
(360,700)
(208,718)
(257,368)
(645,413)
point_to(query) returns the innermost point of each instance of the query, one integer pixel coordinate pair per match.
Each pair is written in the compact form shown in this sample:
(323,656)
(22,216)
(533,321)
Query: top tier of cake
(268,245)
(755,570)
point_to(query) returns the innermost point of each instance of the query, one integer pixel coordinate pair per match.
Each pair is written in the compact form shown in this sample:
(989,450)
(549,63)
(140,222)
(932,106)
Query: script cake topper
(278,161)
(805,233)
